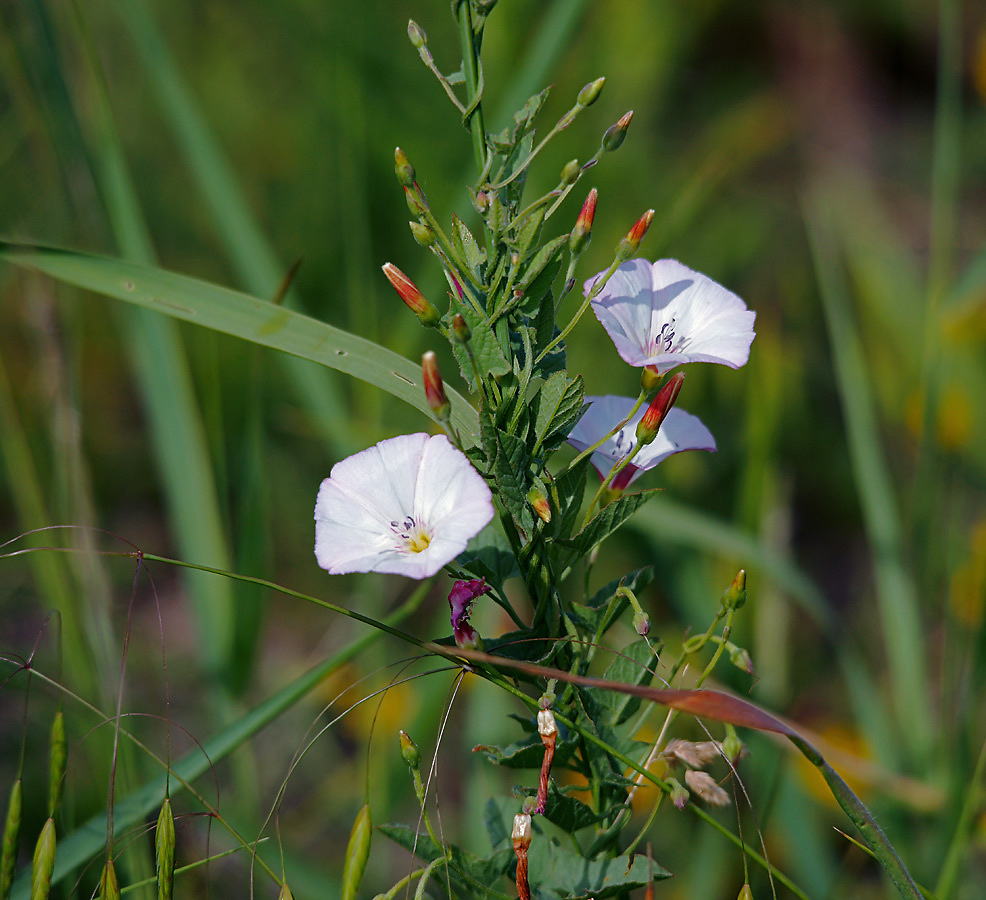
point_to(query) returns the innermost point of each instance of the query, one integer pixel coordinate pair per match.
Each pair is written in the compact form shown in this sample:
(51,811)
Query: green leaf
(465,245)
(558,407)
(564,874)
(528,232)
(607,520)
(540,274)
(569,491)
(510,470)
(632,665)
(568,813)
(485,346)
(243,316)
(528,753)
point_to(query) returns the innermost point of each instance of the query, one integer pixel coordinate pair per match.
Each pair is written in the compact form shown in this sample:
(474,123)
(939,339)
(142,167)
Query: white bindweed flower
(679,431)
(664,314)
(406,506)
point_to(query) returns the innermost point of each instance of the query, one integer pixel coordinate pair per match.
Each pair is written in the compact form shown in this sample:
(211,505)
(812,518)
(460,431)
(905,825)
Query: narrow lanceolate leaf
(607,520)
(11,833)
(109,888)
(56,768)
(164,851)
(44,862)
(357,853)
(243,316)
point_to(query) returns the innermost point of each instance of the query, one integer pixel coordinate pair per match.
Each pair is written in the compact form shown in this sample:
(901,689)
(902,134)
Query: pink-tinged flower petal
(406,506)
(679,431)
(460,600)
(664,314)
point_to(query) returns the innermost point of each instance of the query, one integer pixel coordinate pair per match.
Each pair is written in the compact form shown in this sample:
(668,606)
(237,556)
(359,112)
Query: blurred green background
(825,161)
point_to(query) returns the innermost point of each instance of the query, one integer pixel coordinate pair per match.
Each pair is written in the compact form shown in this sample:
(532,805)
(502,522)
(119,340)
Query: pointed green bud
(732,747)
(286,894)
(679,793)
(570,172)
(43,863)
(414,205)
(403,168)
(745,893)
(735,595)
(410,751)
(416,35)
(164,851)
(460,329)
(739,657)
(56,768)
(423,233)
(11,837)
(109,887)
(615,134)
(590,93)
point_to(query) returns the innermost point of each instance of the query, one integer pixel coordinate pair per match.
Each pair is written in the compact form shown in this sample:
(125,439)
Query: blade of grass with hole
(243,316)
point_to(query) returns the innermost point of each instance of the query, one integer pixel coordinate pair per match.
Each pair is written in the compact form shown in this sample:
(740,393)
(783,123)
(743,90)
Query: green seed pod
(44,862)
(423,233)
(11,833)
(164,851)
(56,768)
(109,888)
(357,853)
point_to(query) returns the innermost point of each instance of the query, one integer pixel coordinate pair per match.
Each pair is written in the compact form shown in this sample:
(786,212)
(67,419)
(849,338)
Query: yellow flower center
(414,537)
(418,541)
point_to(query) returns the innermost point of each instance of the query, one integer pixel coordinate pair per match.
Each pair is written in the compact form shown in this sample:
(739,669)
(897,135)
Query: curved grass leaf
(243,316)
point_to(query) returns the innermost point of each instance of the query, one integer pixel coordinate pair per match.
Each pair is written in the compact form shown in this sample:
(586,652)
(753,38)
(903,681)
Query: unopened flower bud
(582,232)
(735,595)
(481,202)
(679,793)
(403,168)
(641,623)
(410,751)
(538,498)
(460,330)
(590,93)
(423,233)
(650,379)
(434,387)
(521,834)
(739,657)
(616,133)
(416,34)
(410,294)
(414,204)
(570,172)
(732,747)
(660,406)
(627,248)
(745,893)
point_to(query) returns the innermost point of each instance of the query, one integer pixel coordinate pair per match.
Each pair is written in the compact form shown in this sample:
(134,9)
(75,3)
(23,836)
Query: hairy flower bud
(434,387)
(403,168)
(650,424)
(410,294)
(616,133)
(590,93)
(627,248)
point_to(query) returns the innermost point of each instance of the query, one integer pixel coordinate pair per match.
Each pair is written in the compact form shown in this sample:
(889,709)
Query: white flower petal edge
(679,431)
(664,314)
(405,506)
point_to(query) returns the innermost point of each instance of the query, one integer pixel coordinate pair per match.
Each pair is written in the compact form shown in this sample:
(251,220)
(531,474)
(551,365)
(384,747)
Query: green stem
(613,266)
(470,68)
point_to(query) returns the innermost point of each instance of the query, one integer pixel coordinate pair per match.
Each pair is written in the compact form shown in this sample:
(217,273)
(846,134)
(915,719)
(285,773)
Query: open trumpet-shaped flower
(406,506)
(664,314)
(679,431)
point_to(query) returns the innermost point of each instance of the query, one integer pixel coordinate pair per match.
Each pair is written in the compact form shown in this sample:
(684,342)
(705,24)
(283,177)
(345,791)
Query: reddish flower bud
(410,294)
(616,133)
(434,387)
(538,499)
(403,168)
(628,246)
(650,424)
(415,206)
(582,232)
